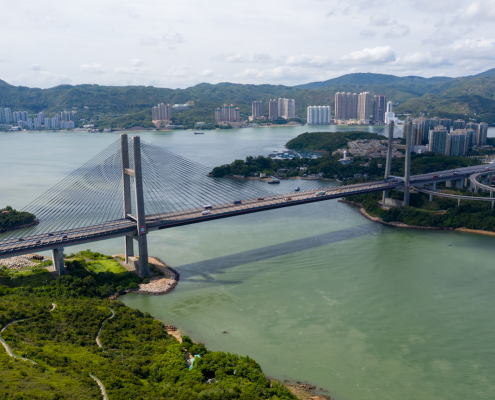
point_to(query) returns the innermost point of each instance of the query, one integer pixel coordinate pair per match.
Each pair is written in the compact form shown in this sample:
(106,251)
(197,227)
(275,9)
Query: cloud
(367,33)
(132,70)
(336,12)
(380,20)
(172,40)
(483,10)
(305,60)
(399,30)
(136,62)
(92,68)
(206,73)
(41,79)
(375,55)
(422,59)
(474,48)
(258,58)
(36,67)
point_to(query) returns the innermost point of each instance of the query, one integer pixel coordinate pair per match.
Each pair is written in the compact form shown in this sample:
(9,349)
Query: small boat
(297,189)
(273,181)
(199,133)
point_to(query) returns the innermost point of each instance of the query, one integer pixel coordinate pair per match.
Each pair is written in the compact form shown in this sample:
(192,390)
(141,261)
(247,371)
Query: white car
(206,212)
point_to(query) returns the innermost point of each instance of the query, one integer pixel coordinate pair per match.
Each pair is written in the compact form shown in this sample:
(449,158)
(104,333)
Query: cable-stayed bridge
(133,188)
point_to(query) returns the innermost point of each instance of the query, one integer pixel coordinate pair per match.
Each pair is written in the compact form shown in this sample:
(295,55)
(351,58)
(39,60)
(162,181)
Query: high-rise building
(286,108)
(390,107)
(36,123)
(8,115)
(418,131)
(273,109)
(1,115)
(456,144)
(437,140)
(364,107)
(164,112)
(445,122)
(47,123)
(470,137)
(481,134)
(429,125)
(459,124)
(346,106)
(379,108)
(17,116)
(257,109)
(155,114)
(319,115)
(30,123)
(73,117)
(218,115)
(41,117)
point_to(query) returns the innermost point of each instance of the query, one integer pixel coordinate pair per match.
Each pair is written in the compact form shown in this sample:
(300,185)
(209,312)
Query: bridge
(133,188)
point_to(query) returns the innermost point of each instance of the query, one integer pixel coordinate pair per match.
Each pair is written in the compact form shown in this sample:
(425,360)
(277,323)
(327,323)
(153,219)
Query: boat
(273,181)
(297,189)
(199,133)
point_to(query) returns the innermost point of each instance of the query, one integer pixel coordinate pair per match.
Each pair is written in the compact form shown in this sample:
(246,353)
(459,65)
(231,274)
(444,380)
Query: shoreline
(363,212)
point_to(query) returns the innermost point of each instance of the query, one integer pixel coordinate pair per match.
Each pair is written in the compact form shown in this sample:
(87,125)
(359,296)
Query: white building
(286,108)
(319,115)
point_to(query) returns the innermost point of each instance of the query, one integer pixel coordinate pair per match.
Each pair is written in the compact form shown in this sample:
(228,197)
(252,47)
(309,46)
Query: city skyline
(128,44)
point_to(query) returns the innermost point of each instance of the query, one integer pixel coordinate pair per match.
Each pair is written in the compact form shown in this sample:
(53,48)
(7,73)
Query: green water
(314,293)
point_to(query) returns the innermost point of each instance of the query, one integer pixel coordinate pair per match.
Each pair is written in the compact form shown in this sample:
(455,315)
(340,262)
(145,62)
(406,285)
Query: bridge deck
(123,227)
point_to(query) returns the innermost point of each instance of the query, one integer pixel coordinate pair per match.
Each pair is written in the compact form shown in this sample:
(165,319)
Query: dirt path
(102,388)
(101,327)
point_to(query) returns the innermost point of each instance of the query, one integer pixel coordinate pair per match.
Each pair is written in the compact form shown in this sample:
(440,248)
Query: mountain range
(463,97)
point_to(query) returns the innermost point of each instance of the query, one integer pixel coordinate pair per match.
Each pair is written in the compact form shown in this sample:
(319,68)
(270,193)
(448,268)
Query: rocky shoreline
(35,222)
(158,285)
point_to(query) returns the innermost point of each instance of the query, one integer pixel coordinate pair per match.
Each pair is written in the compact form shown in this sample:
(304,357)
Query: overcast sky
(180,43)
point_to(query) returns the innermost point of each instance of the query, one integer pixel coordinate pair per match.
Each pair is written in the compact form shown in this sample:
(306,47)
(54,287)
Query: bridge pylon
(407,148)
(141,265)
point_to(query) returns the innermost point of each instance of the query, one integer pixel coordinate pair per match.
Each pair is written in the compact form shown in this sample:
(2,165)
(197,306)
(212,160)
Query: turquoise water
(314,293)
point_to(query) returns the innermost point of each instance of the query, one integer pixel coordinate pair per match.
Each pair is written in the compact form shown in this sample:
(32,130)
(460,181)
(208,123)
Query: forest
(10,218)
(138,358)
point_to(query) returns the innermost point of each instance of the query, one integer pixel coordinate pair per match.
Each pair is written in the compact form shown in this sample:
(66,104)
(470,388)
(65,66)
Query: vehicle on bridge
(261,198)
(297,189)
(208,206)
(237,201)
(321,193)
(206,212)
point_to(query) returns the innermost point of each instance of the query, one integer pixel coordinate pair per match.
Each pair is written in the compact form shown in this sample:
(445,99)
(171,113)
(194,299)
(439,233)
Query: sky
(180,43)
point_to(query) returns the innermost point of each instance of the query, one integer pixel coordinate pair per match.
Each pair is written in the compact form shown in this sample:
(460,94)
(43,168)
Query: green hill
(125,106)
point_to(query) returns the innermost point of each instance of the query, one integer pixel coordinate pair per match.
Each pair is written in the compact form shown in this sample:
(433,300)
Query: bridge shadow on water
(204,269)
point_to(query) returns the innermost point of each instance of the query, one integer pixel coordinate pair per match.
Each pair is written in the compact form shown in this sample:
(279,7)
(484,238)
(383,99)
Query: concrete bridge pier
(58,260)
(459,184)
(449,184)
(388,164)
(432,187)
(129,248)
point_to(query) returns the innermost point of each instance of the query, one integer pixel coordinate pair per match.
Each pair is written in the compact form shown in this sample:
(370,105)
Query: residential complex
(161,114)
(359,107)
(346,106)
(319,115)
(227,114)
(24,120)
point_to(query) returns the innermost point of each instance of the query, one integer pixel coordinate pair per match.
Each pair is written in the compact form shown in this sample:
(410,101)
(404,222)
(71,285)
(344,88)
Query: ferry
(297,189)
(199,133)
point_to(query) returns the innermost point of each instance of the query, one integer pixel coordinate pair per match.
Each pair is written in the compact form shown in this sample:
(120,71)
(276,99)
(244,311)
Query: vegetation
(470,214)
(139,360)
(328,141)
(10,218)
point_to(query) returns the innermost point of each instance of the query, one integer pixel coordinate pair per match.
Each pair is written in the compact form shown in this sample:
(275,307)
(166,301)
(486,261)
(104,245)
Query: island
(13,219)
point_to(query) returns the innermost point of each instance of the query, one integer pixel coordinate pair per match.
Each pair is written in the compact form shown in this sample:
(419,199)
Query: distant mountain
(373,79)
(461,97)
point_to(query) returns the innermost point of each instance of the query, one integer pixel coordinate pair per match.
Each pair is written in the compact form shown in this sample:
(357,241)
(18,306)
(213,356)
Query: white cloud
(483,10)
(375,55)
(397,31)
(474,48)
(136,62)
(258,58)
(35,67)
(305,60)
(132,70)
(422,59)
(367,33)
(380,20)
(206,73)
(172,40)
(92,68)
(41,79)
(247,73)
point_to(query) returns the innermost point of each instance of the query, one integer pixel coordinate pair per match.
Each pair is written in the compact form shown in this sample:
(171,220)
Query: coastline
(363,212)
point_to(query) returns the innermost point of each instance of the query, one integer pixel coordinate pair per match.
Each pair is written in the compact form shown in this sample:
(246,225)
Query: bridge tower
(141,265)
(388,165)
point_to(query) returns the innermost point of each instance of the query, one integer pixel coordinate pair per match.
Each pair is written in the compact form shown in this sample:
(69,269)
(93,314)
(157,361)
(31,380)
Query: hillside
(131,105)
